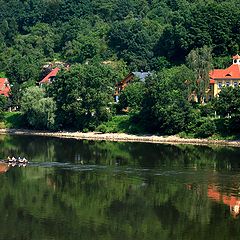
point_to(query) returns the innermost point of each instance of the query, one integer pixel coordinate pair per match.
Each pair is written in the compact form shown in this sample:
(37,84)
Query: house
(4,87)
(224,77)
(50,77)
(129,78)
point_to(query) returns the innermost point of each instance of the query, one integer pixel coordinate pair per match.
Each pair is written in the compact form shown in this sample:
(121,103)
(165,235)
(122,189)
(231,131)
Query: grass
(12,120)
(119,124)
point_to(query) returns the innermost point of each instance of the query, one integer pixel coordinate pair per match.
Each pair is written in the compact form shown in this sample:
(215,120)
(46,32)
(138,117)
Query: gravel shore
(121,137)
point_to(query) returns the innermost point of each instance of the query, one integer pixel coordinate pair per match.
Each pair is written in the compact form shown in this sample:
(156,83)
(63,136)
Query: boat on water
(16,160)
(5,165)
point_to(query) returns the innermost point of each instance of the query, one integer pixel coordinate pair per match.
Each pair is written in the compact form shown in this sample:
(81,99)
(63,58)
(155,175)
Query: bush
(85,130)
(207,110)
(102,128)
(206,129)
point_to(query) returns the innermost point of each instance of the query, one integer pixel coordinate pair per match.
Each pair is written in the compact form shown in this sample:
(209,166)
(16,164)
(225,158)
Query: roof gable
(4,87)
(52,74)
(231,72)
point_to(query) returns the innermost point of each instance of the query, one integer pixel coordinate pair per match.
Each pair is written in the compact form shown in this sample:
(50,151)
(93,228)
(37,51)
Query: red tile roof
(4,87)
(52,74)
(233,72)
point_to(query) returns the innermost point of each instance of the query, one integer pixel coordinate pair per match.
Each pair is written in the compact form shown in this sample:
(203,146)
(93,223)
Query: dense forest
(102,41)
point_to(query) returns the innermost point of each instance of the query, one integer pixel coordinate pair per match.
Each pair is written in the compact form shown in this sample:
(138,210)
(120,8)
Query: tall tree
(200,61)
(84,96)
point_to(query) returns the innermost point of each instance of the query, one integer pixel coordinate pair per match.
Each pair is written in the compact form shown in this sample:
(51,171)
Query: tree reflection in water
(121,191)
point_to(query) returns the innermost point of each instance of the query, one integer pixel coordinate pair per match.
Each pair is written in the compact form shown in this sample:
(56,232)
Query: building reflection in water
(4,167)
(232,201)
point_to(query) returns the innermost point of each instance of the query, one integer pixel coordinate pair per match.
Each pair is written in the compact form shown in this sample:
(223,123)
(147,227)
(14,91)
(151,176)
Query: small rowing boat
(16,160)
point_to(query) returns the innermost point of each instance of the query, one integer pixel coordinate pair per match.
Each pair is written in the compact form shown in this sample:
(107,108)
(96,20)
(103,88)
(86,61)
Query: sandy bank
(121,137)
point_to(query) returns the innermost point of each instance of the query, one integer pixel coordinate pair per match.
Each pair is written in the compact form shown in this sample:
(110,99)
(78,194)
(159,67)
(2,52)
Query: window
(235,84)
(228,84)
(219,84)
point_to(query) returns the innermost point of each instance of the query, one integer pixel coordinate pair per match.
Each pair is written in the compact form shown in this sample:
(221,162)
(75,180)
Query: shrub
(206,129)
(85,130)
(102,128)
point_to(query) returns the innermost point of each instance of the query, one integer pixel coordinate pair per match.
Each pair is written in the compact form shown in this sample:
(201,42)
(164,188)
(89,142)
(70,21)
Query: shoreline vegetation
(122,137)
(122,66)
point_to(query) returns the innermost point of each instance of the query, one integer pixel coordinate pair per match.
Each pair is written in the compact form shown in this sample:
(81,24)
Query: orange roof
(52,74)
(4,87)
(233,72)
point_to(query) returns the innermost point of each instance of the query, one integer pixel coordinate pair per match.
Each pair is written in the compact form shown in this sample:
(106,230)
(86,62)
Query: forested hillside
(125,35)
(145,34)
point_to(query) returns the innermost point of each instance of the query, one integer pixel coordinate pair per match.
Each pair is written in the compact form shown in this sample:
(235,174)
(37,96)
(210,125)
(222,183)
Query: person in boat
(25,160)
(13,164)
(14,159)
(9,159)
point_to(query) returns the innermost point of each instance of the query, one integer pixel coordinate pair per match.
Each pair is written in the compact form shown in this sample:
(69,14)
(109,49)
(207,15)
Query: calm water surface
(104,190)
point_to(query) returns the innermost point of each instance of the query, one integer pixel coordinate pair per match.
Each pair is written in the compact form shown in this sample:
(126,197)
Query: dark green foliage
(132,96)
(165,105)
(84,96)
(227,106)
(207,110)
(3,103)
(134,41)
(206,128)
(110,38)
(228,103)
(15,120)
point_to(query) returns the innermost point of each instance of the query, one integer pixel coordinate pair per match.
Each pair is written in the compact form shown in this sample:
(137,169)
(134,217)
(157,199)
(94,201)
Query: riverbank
(122,137)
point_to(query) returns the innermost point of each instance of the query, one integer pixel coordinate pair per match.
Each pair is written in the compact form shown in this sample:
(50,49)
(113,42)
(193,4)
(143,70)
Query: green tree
(132,96)
(84,95)
(3,103)
(200,61)
(134,41)
(165,105)
(38,110)
(228,102)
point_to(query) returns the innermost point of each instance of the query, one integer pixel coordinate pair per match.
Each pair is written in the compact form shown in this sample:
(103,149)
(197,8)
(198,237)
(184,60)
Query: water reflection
(100,190)
(4,167)
(228,199)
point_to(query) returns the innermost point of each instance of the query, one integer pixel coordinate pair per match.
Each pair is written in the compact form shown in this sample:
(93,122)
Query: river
(77,189)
